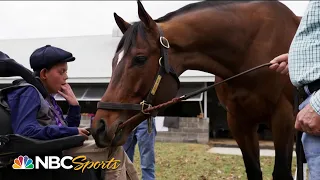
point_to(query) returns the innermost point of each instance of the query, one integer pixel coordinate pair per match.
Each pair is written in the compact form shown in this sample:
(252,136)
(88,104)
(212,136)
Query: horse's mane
(129,38)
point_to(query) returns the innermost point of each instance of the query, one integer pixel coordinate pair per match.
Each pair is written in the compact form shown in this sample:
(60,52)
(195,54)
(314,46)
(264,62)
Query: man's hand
(68,94)
(308,121)
(280,64)
(84,132)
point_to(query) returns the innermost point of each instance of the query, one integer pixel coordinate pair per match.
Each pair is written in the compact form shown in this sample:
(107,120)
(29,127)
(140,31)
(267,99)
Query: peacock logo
(23,162)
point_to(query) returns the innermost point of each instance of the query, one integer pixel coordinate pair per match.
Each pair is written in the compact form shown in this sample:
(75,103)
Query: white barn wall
(93,53)
(93,57)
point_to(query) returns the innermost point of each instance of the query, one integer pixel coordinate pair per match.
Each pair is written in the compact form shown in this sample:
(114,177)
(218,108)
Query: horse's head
(141,77)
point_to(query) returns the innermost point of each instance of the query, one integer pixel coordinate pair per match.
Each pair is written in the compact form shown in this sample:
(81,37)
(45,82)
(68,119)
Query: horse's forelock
(131,35)
(128,40)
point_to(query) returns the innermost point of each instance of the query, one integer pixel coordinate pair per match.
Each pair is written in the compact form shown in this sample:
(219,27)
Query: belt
(306,90)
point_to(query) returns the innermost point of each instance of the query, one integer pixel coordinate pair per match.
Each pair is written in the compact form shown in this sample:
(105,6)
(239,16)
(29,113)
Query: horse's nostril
(101,128)
(100,134)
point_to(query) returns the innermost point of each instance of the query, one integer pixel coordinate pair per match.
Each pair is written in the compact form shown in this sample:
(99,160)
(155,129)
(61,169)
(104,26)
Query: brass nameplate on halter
(156,84)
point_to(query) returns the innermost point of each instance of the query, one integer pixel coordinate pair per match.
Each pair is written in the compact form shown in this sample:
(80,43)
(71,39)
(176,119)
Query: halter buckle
(164,42)
(143,104)
(160,61)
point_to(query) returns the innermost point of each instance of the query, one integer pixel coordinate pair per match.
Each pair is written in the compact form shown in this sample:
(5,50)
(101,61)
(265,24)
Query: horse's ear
(145,17)
(122,24)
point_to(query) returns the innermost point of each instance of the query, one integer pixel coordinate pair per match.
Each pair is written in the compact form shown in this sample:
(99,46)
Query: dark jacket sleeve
(74,116)
(24,104)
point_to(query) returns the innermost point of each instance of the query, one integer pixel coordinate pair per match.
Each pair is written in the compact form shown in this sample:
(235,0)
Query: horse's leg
(282,124)
(247,139)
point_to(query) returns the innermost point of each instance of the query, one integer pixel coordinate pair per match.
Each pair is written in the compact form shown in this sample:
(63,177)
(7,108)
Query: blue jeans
(311,146)
(146,148)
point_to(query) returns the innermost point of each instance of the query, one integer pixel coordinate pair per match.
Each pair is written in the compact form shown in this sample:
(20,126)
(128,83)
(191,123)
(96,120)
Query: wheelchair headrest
(10,68)
(4,56)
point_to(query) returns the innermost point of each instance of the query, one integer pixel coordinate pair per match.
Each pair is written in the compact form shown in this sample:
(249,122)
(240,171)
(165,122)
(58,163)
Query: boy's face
(54,78)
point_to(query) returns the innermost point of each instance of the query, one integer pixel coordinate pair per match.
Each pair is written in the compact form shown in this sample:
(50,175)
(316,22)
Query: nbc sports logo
(55,162)
(50,162)
(23,162)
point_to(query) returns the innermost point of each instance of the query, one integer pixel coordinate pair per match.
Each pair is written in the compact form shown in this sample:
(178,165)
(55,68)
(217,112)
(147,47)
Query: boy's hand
(68,95)
(84,132)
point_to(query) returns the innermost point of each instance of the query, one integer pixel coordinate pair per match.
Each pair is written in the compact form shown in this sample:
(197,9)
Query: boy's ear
(43,74)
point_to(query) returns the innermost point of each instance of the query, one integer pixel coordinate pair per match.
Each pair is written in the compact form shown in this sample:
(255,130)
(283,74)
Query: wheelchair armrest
(17,144)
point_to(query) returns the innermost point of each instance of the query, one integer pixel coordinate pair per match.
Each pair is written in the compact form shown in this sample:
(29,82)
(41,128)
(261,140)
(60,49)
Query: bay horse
(222,38)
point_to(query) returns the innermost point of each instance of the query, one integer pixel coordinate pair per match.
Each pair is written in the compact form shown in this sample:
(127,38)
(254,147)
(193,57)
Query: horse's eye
(139,60)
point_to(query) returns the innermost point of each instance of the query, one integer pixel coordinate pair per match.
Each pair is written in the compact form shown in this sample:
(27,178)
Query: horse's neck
(208,41)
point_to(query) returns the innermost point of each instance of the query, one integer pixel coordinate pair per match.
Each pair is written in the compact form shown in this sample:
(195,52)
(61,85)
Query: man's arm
(24,104)
(305,52)
(315,102)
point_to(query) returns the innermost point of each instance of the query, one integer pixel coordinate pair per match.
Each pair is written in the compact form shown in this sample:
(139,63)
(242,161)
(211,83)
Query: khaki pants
(125,171)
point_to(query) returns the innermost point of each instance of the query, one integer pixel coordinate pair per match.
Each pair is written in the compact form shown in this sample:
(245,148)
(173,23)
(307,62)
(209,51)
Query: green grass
(184,161)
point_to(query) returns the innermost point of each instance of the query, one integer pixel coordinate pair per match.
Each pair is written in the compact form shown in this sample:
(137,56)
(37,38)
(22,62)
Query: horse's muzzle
(100,134)
(105,135)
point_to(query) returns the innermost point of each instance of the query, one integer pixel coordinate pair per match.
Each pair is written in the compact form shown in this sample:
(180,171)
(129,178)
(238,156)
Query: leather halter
(164,68)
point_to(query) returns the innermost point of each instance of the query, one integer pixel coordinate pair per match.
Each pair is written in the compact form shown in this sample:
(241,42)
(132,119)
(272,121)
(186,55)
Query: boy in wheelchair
(38,117)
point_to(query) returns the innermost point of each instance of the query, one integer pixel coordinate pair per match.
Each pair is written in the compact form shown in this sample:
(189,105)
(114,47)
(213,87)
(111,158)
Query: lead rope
(189,95)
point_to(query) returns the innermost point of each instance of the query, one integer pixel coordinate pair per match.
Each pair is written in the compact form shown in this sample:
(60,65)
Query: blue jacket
(25,103)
